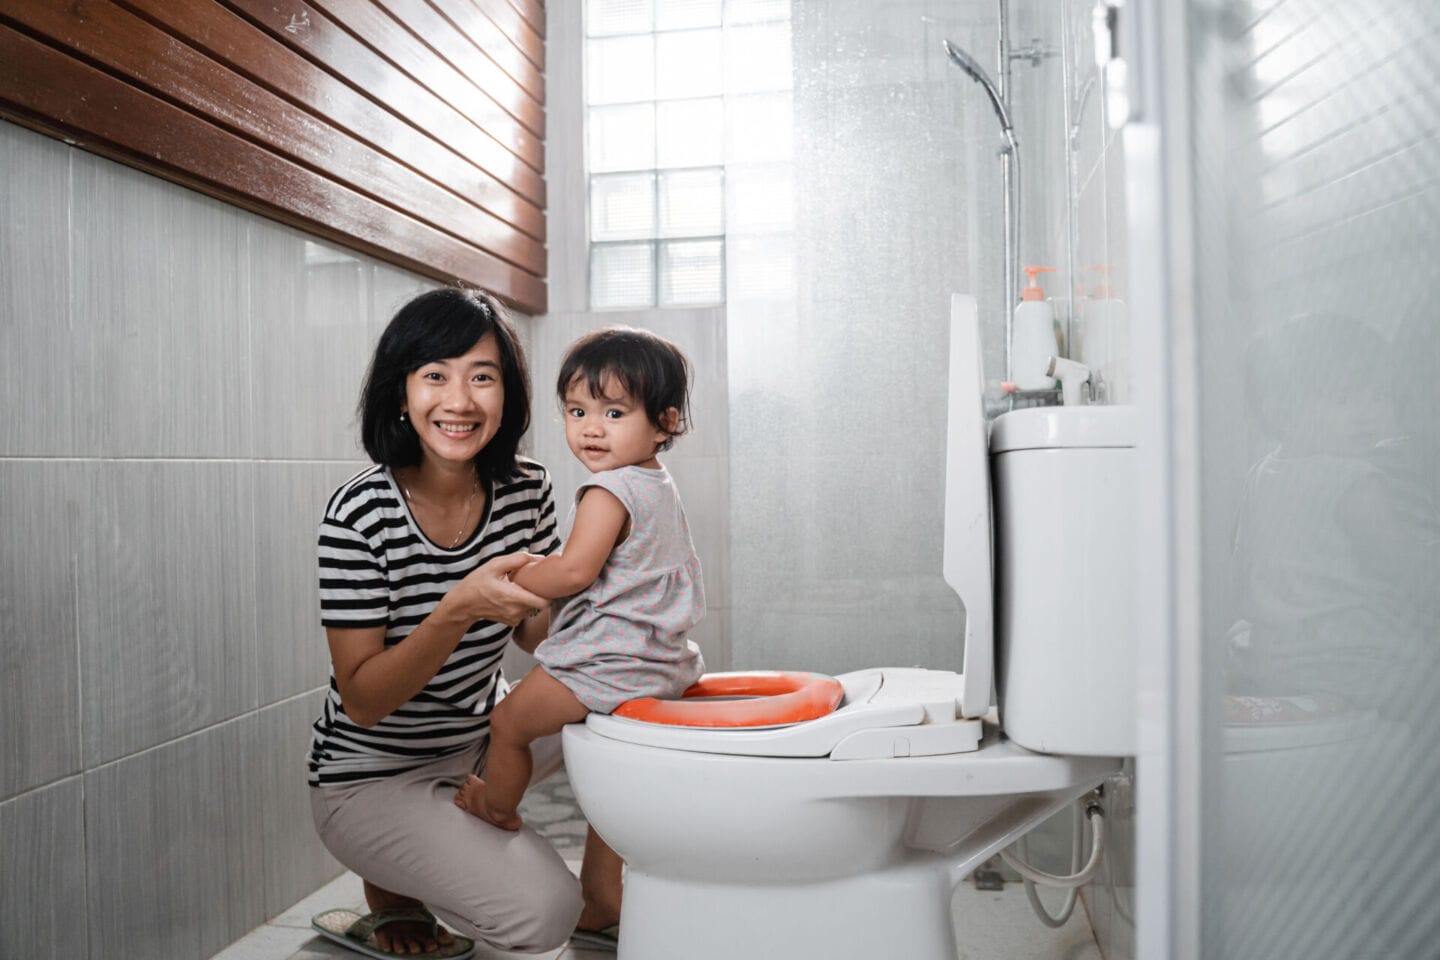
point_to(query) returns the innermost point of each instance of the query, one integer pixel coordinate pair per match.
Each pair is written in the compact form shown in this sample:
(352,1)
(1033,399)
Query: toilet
(804,830)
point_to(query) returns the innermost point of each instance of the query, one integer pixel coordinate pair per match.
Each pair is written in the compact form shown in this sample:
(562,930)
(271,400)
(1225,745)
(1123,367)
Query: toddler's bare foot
(471,797)
(403,938)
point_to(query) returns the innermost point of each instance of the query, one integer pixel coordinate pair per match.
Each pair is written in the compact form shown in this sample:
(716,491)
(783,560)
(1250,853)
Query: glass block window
(666,80)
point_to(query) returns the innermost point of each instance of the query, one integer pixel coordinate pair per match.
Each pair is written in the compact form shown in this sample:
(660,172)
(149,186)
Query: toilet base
(902,910)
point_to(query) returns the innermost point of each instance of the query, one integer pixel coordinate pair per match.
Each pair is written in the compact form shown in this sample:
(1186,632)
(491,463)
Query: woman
(415,555)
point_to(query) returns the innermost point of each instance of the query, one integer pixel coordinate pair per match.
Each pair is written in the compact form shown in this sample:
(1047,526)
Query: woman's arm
(374,680)
(600,521)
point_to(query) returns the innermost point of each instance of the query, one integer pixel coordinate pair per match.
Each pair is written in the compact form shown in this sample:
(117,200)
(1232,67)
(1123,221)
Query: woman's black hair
(439,325)
(647,366)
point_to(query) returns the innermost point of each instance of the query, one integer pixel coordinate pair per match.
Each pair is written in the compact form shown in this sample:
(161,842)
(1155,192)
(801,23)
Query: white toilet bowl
(734,854)
(844,837)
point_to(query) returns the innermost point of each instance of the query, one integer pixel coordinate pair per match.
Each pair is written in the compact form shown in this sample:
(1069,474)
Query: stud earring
(402,416)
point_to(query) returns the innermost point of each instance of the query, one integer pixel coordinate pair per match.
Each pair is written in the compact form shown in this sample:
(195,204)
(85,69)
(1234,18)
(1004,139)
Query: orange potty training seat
(762,699)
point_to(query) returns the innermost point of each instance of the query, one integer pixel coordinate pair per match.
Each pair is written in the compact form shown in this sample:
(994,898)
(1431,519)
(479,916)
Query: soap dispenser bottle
(1032,336)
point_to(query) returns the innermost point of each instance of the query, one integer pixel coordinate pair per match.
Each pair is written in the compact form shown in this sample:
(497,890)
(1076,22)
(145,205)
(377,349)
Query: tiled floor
(988,926)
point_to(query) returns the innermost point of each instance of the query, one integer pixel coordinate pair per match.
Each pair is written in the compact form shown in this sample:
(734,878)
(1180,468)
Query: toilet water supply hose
(1072,883)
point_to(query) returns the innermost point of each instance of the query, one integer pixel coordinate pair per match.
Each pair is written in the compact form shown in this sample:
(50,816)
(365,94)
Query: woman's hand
(487,593)
(375,679)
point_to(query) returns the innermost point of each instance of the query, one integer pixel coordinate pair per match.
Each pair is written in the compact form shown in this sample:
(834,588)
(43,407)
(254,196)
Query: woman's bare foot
(471,797)
(403,938)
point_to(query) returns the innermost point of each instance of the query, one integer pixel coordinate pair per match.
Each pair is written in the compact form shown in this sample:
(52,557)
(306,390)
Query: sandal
(606,938)
(357,931)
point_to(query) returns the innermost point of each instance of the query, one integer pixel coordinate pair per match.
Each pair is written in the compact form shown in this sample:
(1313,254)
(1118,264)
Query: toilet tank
(1064,491)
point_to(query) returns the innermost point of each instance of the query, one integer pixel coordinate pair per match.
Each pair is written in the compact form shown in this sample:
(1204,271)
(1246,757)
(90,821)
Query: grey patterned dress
(626,635)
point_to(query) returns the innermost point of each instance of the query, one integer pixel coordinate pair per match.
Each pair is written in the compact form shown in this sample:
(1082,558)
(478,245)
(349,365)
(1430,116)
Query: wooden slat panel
(510,116)
(444,39)
(306,29)
(39,83)
(484,35)
(225,37)
(533,11)
(529,39)
(124,43)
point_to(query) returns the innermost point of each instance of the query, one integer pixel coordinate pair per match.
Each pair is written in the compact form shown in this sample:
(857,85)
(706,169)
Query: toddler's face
(609,431)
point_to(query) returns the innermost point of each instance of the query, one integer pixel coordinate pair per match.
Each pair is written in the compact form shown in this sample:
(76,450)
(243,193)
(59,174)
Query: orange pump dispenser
(1033,291)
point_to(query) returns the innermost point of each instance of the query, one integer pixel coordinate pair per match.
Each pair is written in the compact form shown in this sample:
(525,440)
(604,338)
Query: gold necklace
(464,520)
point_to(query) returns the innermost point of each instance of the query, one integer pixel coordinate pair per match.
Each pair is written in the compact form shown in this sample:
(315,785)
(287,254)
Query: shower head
(977,73)
(966,63)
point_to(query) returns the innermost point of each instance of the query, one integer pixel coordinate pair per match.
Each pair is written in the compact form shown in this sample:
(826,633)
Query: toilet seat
(767,698)
(886,713)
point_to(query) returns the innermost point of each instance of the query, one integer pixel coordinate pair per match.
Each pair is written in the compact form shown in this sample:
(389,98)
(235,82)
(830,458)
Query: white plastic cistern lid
(1043,428)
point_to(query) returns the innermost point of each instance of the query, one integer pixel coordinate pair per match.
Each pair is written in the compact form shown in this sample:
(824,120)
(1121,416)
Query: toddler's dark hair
(438,325)
(647,366)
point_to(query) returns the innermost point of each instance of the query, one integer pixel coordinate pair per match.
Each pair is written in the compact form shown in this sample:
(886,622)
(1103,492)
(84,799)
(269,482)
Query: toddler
(626,588)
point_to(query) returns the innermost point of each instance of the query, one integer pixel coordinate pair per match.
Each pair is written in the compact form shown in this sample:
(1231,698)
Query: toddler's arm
(599,524)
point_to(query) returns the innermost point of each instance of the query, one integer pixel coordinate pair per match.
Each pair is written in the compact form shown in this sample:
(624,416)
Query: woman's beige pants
(505,890)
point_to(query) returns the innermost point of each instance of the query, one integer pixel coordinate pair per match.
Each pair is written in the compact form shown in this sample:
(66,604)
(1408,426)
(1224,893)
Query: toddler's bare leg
(600,884)
(538,706)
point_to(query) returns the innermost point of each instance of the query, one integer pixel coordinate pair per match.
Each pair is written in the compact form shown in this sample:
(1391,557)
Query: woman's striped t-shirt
(377,568)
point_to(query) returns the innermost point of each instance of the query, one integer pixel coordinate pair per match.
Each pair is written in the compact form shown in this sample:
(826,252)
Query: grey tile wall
(174,870)
(40,708)
(159,305)
(34,295)
(293,857)
(182,378)
(310,339)
(166,600)
(42,873)
(290,648)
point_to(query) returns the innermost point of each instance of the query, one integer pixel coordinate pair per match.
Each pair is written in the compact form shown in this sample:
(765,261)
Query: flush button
(902,747)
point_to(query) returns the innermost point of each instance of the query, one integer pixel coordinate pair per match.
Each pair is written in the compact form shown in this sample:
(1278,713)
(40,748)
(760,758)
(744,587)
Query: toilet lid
(885,712)
(769,698)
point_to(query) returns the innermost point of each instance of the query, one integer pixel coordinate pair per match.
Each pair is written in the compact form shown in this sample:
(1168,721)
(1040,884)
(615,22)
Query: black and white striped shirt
(377,568)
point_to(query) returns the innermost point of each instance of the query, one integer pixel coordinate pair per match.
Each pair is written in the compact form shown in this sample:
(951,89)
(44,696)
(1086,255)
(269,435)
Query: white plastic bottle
(1105,339)
(1032,336)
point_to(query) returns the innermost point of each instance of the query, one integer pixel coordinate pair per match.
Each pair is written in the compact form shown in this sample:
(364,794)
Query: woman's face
(455,405)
